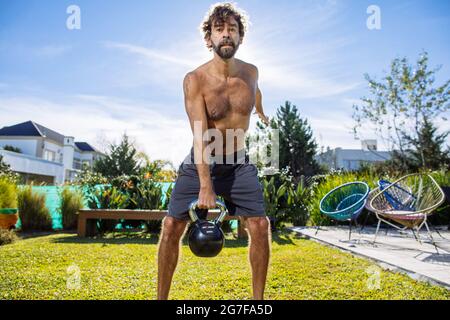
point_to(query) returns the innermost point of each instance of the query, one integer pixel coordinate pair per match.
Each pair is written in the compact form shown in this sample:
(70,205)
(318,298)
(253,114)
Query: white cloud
(89,117)
(294,61)
(297,56)
(150,54)
(367,130)
(161,69)
(100,119)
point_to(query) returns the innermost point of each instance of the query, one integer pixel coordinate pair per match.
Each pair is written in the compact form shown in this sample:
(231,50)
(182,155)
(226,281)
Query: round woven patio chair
(345,203)
(407,201)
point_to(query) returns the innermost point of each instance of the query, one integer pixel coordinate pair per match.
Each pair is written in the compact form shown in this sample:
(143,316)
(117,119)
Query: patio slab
(394,250)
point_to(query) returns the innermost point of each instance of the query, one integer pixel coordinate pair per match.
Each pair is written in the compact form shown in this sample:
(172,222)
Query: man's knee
(258,227)
(172,229)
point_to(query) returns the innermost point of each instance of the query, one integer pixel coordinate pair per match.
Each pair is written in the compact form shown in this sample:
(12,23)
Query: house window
(49,155)
(76,163)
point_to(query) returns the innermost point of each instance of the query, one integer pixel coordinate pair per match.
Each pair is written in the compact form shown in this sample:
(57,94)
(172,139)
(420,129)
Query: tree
(4,167)
(6,172)
(400,105)
(428,148)
(12,148)
(297,146)
(121,160)
(158,170)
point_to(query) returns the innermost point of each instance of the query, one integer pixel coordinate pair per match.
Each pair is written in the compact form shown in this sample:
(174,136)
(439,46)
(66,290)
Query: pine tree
(297,144)
(427,151)
(121,160)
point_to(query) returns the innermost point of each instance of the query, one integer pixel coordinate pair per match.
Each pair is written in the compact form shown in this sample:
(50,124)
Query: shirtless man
(219,95)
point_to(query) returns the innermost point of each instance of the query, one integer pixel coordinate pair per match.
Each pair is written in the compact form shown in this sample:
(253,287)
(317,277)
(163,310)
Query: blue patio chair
(345,202)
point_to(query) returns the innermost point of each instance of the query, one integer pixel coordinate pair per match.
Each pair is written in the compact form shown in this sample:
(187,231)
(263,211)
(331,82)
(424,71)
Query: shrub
(167,199)
(271,198)
(7,236)
(70,202)
(143,193)
(8,193)
(296,200)
(284,199)
(33,213)
(88,179)
(7,173)
(442,214)
(442,177)
(154,225)
(105,197)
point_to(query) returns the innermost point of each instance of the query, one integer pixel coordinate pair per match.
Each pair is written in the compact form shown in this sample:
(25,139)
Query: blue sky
(123,70)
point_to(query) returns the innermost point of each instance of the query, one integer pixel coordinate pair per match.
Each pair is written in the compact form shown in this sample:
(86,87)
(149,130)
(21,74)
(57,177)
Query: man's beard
(225,53)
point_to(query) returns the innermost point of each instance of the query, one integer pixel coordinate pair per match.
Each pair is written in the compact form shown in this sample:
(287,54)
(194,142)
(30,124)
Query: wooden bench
(87,219)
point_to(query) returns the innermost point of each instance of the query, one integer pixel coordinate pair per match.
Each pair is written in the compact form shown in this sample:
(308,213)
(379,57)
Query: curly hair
(221,12)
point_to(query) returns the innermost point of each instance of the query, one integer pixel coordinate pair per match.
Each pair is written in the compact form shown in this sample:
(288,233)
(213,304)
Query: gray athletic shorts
(236,181)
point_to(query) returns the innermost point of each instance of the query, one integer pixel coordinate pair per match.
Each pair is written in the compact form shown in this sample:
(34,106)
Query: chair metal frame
(417,218)
(349,213)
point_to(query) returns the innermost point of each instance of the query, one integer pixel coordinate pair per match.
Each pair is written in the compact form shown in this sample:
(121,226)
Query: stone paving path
(393,250)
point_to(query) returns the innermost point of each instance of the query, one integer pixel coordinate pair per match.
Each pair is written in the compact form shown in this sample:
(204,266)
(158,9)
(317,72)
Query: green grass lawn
(125,268)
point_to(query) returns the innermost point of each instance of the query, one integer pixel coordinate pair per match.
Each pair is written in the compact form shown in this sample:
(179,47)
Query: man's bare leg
(258,229)
(168,252)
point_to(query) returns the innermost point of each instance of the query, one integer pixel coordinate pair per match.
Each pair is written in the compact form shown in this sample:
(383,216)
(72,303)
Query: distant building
(351,159)
(45,155)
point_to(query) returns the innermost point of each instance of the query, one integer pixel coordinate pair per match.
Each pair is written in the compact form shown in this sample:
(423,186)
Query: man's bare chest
(235,95)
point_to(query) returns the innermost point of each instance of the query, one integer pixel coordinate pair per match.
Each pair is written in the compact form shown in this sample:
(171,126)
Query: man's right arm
(196,110)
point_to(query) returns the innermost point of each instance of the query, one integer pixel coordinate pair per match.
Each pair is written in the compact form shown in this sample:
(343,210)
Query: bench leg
(91,227)
(81,227)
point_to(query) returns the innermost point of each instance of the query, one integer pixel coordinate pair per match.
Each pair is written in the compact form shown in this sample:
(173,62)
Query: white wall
(77,160)
(89,157)
(29,164)
(350,159)
(56,148)
(69,151)
(27,146)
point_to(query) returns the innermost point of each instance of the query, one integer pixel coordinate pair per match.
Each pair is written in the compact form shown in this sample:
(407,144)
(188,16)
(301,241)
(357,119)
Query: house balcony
(36,167)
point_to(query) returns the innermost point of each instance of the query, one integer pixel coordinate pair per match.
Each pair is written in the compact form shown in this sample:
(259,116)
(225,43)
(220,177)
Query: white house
(351,159)
(45,155)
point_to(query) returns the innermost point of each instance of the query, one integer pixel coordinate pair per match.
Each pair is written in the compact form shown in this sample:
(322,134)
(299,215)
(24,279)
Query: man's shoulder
(248,66)
(192,78)
(249,69)
(191,83)
(195,75)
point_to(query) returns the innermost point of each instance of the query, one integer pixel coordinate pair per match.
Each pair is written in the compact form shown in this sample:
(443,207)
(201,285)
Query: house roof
(31,128)
(84,146)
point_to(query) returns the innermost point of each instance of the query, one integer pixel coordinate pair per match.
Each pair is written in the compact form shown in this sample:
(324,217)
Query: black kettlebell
(206,238)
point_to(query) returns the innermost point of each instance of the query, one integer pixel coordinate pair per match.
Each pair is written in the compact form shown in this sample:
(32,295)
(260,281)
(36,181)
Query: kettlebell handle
(219,204)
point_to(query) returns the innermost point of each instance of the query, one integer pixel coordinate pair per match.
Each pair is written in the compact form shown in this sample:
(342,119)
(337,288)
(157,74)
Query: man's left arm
(258,103)
(259,107)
